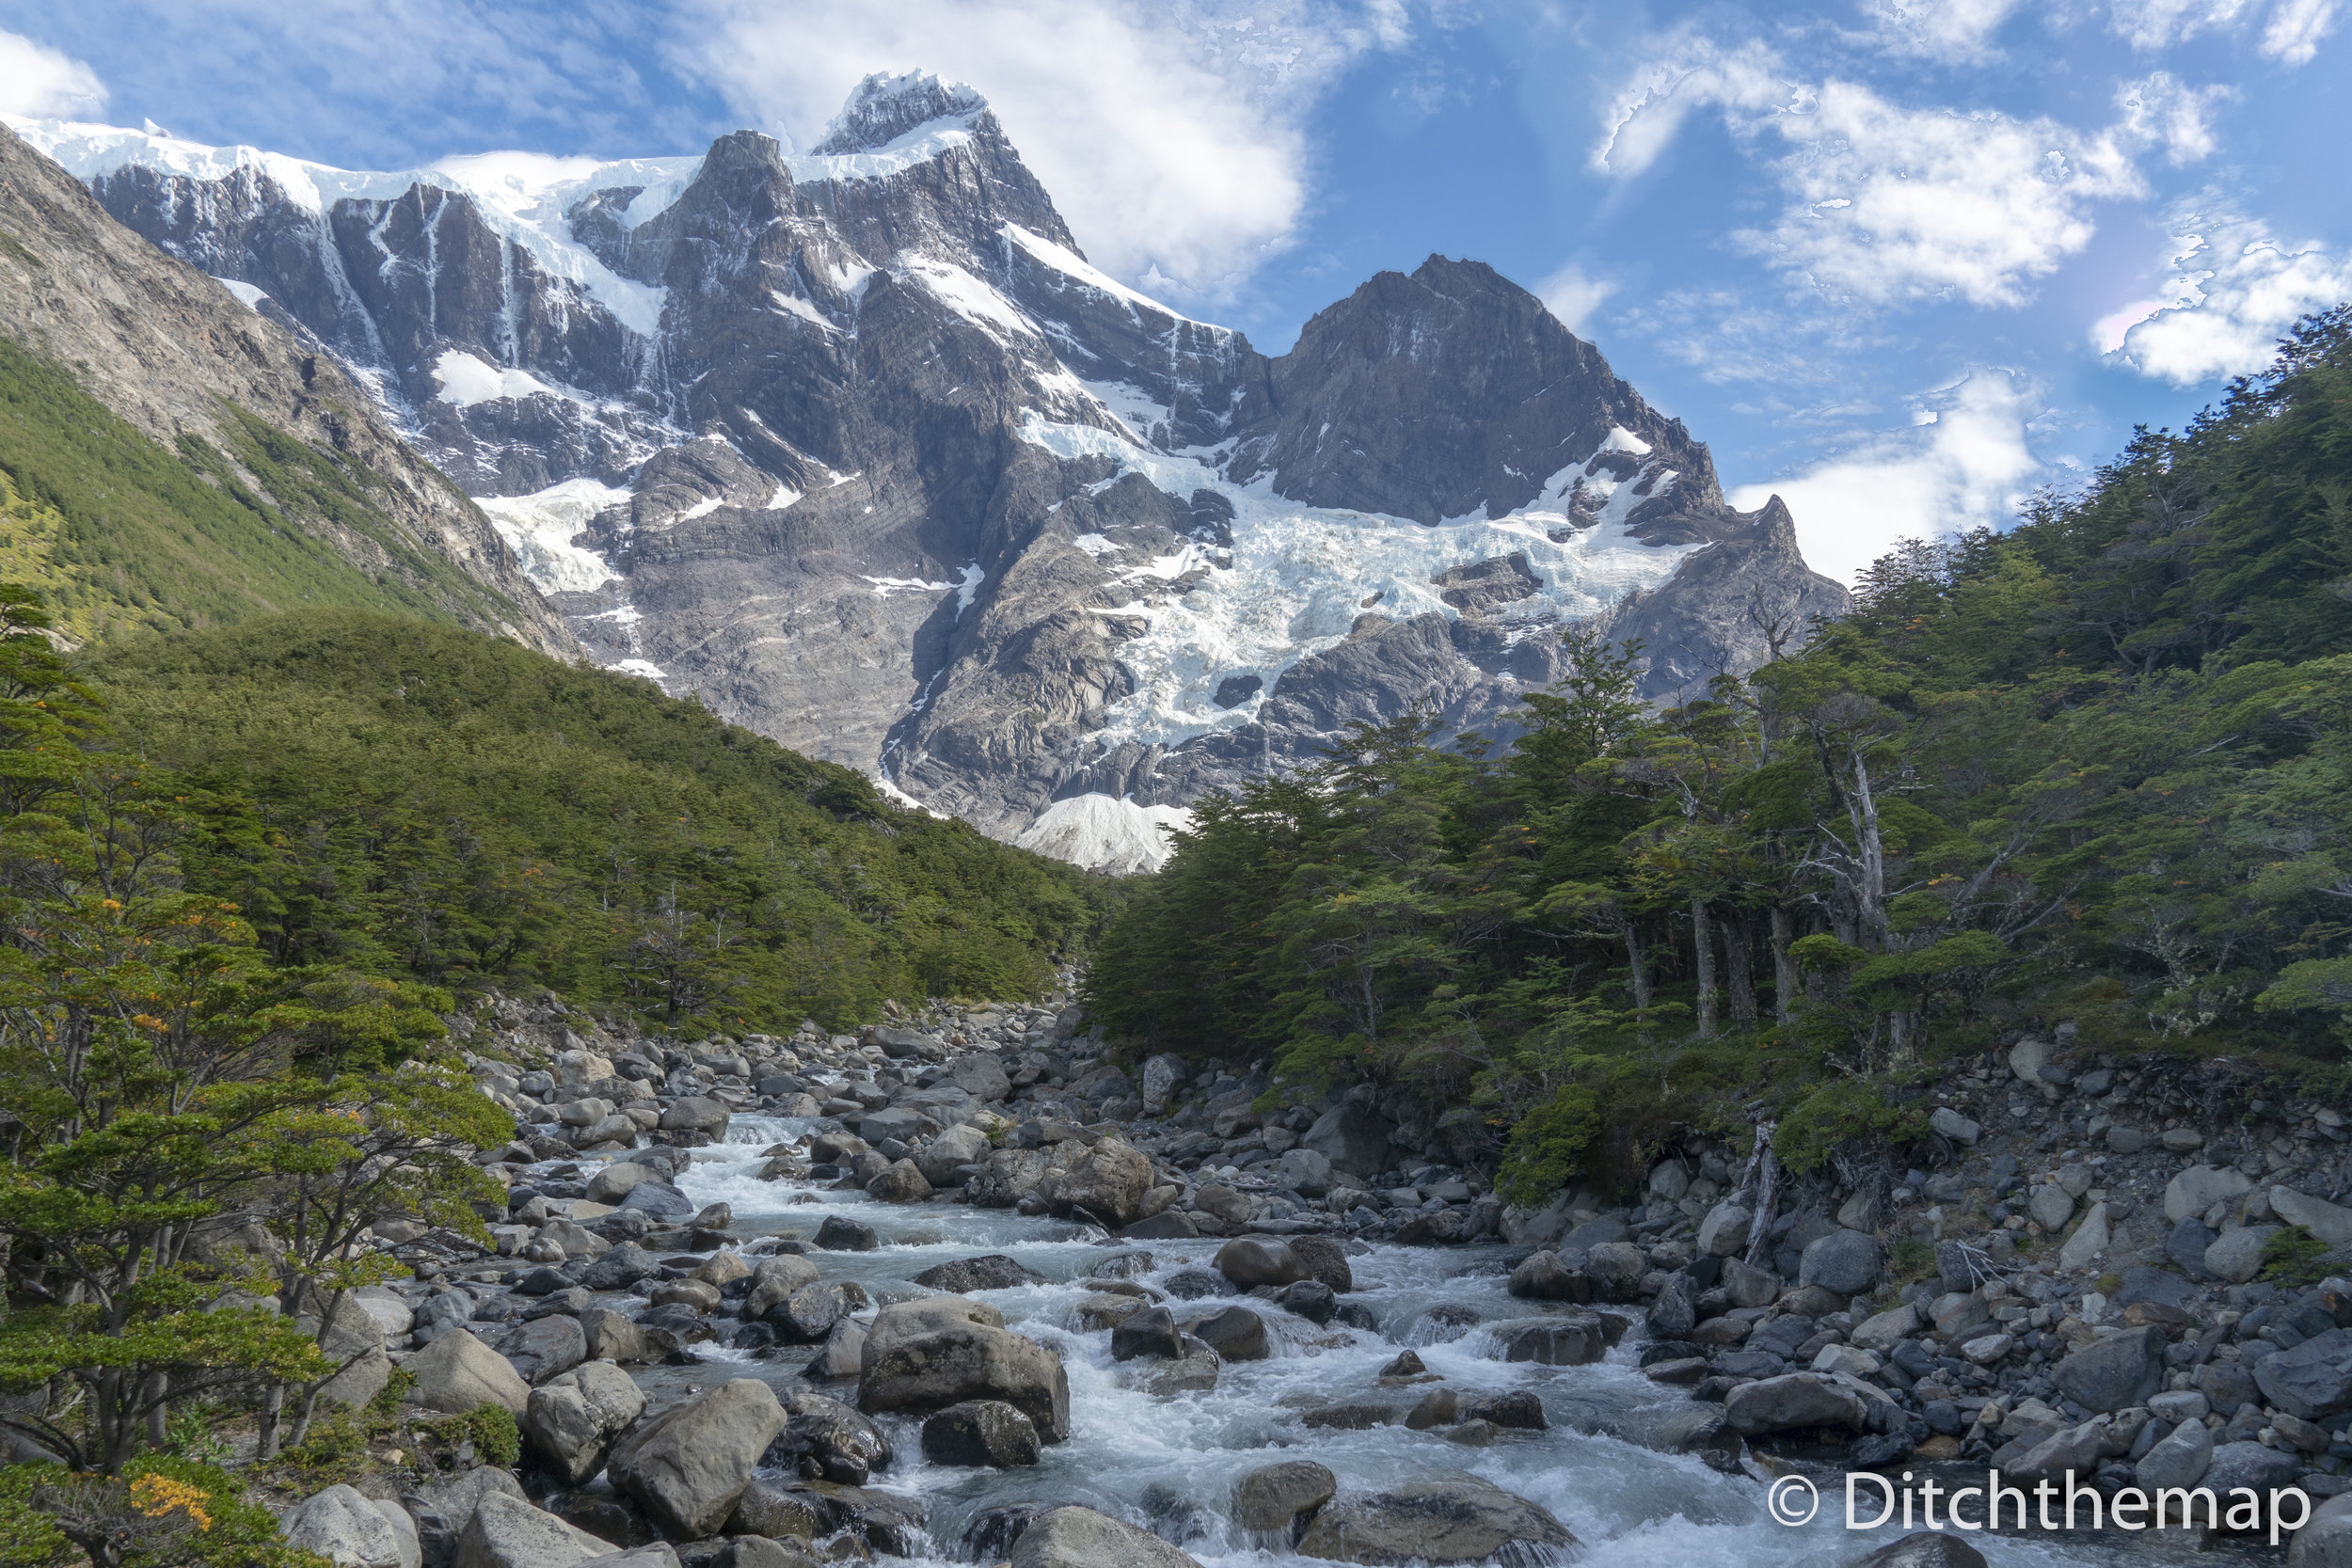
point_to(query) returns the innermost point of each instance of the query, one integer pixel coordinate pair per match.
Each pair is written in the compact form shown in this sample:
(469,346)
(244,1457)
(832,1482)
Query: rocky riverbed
(958,1289)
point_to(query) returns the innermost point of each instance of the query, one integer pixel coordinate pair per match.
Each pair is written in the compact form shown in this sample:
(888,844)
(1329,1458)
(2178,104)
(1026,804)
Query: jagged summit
(882,109)
(857,444)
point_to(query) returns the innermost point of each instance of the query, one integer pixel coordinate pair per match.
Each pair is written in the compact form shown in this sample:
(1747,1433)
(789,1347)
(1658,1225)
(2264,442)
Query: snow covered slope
(859,446)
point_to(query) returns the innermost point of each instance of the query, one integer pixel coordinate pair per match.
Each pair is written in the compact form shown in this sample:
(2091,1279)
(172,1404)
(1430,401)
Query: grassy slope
(118,533)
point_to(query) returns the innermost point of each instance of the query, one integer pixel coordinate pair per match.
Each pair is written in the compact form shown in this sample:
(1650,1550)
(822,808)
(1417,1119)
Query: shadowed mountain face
(856,445)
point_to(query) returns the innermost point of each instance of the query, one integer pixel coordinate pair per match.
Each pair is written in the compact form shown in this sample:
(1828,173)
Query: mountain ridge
(898,478)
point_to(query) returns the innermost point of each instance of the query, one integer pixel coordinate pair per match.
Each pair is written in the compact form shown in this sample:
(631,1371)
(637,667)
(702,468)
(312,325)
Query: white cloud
(2236,290)
(1964,462)
(1887,203)
(39,81)
(2291,29)
(2296,28)
(1572,295)
(2160,111)
(1959,31)
(1170,136)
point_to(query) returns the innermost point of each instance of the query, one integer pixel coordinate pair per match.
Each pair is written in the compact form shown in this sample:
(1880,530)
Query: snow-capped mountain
(858,445)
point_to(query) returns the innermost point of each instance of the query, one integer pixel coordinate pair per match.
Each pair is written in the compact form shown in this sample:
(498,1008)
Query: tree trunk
(273,1407)
(1703,948)
(1633,958)
(1739,932)
(1871,894)
(1783,967)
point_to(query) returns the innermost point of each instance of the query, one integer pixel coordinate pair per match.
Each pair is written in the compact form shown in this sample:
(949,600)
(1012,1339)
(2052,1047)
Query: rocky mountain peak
(1454,392)
(882,109)
(858,445)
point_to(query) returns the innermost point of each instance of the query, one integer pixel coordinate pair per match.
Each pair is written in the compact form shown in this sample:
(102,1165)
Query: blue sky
(1899,260)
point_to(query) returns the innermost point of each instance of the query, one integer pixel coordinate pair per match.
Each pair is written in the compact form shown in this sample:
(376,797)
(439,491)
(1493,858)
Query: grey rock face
(881,466)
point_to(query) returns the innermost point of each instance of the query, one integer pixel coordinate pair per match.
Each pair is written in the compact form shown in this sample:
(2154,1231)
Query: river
(1132,1453)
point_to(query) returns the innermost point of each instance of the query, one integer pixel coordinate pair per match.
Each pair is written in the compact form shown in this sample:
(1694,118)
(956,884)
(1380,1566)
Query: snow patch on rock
(539,528)
(1107,834)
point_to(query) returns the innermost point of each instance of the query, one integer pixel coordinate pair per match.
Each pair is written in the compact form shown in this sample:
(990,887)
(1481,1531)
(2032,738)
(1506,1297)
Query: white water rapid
(1153,1460)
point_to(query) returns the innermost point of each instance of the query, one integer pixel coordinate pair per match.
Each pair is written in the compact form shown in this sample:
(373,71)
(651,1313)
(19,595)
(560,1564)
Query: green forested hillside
(2093,768)
(423,801)
(118,533)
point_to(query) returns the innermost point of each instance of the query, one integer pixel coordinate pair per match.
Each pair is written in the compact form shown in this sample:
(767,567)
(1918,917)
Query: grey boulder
(1282,1498)
(686,1467)
(1794,1402)
(2179,1460)
(507,1532)
(925,1355)
(1353,1139)
(1248,1262)
(1081,1538)
(2313,1380)
(1924,1549)
(980,1433)
(1846,1261)
(353,1531)
(2114,1373)
(457,1371)
(573,1419)
(1446,1517)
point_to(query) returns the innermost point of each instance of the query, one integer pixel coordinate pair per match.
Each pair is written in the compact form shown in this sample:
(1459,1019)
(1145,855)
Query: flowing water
(1147,1459)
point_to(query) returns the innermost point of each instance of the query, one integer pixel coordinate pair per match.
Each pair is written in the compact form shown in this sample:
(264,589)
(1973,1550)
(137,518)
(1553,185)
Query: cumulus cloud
(2235,288)
(43,83)
(1964,463)
(1172,137)
(1885,203)
(2290,30)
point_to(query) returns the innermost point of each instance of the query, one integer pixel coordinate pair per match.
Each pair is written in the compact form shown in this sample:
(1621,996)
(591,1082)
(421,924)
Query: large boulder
(1081,1538)
(2331,1222)
(698,1113)
(2178,1461)
(355,1340)
(1162,1075)
(2237,1256)
(2200,1187)
(980,1075)
(2313,1380)
(1309,1170)
(991,1271)
(1352,1138)
(775,1279)
(353,1531)
(507,1532)
(946,1155)
(1846,1261)
(1576,1341)
(1150,1332)
(457,1371)
(1615,1269)
(1236,1333)
(1323,1260)
(686,1467)
(901,1182)
(1792,1402)
(1007,1177)
(573,1419)
(2327,1541)
(1725,1231)
(2116,1372)
(980,1434)
(1249,1262)
(827,1440)
(925,1355)
(545,1347)
(612,1183)
(1282,1498)
(1445,1517)
(443,1509)
(1108,1181)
